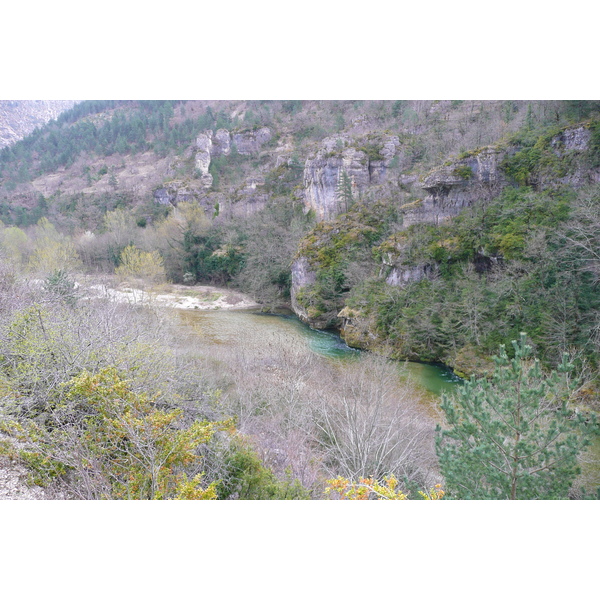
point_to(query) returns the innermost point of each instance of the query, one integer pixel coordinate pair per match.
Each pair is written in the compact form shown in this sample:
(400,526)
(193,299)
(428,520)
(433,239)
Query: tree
(108,442)
(513,436)
(179,237)
(371,489)
(369,427)
(139,264)
(14,244)
(53,251)
(344,190)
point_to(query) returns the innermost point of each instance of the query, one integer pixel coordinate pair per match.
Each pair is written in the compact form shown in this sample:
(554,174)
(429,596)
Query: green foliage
(373,151)
(344,191)
(314,131)
(133,127)
(336,248)
(398,107)
(521,165)
(59,284)
(246,478)
(464,172)
(490,273)
(514,436)
(102,430)
(578,110)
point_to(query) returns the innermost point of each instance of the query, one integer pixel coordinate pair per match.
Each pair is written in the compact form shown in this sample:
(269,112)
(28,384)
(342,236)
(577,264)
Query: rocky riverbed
(197,297)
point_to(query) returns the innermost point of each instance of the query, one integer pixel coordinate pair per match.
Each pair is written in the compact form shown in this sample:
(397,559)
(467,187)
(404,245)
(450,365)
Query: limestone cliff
(450,188)
(475,177)
(203,155)
(242,199)
(302,276)
(342,169)
(483,173)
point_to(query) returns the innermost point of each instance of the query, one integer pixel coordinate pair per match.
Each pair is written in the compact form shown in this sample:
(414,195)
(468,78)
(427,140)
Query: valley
(434,232)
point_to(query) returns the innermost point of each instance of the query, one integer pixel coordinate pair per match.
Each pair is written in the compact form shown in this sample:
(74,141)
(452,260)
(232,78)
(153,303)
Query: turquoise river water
(250,328)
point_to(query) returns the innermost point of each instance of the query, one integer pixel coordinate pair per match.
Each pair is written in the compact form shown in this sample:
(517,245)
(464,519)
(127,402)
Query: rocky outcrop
(479,176)
(204,146)
(455,186)
(251,142)
(357,330)
(174,192)
(221,143)
(302,276)
(573,138)
(323,179)
(341,167)
(401,275)
(571,147)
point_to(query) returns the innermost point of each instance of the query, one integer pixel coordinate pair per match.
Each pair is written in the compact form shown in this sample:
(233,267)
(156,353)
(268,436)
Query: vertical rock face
(302,275)
(322,180)
(209,144)
(574,138)
(399,276)
(250,142)
(337,159)
(203,154)
(453,187)
(571,143)
(221,143)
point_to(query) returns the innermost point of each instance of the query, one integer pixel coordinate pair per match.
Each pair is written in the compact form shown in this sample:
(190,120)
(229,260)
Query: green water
(434,378)
(252,329)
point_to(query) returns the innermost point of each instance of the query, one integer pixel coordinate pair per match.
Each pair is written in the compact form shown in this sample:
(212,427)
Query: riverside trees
(513,437)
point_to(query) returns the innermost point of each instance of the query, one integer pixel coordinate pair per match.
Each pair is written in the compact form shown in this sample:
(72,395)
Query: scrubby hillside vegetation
(423,230)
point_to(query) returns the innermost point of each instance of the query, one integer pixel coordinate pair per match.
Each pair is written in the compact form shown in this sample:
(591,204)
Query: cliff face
(341,171)
(451,188)
(221,143)
(302,276)
(476,177)
(18,118)
(484,173)
(242,199)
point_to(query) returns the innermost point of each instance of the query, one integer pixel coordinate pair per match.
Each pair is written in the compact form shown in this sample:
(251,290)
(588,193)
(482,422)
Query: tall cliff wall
(343,166)
(476,177)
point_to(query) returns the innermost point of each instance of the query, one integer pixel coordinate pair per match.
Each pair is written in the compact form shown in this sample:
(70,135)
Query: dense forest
(456,232)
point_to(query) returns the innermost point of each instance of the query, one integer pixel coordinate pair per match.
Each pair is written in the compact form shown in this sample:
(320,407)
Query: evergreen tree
(513,436)
(344,190)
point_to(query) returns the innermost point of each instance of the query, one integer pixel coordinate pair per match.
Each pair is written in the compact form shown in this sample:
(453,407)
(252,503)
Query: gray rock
(302,275)
(250,142)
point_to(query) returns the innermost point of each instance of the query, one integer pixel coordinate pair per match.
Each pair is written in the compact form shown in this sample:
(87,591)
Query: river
(251,328)
(254,331)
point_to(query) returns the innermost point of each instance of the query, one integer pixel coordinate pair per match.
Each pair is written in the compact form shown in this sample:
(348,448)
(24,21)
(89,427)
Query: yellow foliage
(192,490)
(52,251)
(139,264)
(435,493)
(369,488)
(14,244)
(134,449)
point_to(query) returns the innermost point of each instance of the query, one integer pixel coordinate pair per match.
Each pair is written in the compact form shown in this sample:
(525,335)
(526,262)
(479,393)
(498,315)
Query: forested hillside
(433,231)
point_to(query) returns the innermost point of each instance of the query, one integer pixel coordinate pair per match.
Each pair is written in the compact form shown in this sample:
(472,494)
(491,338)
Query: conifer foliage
(513,436)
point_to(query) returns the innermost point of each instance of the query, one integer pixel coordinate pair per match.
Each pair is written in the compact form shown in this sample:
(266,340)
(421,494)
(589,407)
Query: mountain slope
(18,118)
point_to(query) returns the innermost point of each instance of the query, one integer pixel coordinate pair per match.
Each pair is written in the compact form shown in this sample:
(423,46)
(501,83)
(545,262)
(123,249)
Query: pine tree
(513,436)
(344,190)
